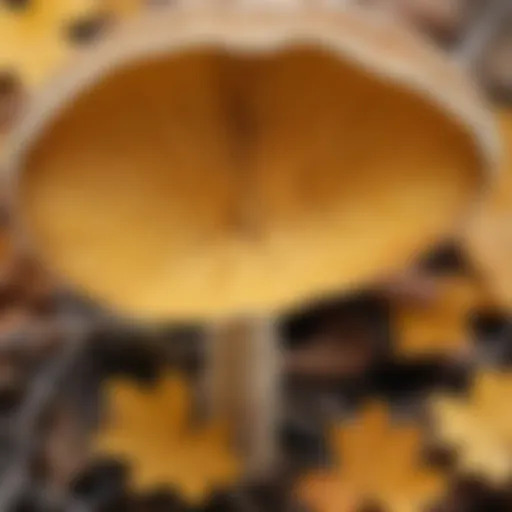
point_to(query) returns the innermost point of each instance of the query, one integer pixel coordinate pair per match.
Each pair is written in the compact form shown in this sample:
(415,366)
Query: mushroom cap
(203,164)
(488,238)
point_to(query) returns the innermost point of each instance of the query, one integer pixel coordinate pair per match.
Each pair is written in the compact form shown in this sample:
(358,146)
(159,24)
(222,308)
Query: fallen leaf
(440,325)
(480,427)
(149,428)
(375,462)
(35,41)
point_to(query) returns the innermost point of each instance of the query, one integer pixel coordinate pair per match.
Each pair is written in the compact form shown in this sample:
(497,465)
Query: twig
(43,389)
(474,43)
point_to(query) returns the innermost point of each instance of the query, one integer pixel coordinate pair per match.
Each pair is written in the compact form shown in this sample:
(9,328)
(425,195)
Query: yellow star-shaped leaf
(438,326)
(480,426)
(149,429)
(33,42)
(375,462)
(33,38)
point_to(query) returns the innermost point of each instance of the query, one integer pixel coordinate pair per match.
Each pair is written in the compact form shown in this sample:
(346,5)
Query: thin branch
(476,40)
(43,390)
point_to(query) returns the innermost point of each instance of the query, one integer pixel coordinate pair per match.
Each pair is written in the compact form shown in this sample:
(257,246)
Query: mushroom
(488,239)
(228,165)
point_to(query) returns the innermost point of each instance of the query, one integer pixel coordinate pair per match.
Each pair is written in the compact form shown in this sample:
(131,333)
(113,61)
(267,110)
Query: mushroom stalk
(243,383)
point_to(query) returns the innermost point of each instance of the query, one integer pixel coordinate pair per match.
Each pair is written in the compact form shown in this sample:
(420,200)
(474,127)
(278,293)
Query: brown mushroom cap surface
(201,165)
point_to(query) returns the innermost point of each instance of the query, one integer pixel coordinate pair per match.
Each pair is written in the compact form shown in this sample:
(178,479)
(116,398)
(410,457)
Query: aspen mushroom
(232,164)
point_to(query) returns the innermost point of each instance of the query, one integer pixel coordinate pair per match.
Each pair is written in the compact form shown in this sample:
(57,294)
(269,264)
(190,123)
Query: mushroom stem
(243,383)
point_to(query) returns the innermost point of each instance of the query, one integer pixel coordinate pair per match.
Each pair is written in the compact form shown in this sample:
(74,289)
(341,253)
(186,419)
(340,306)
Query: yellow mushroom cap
(488,239)
(202,164)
